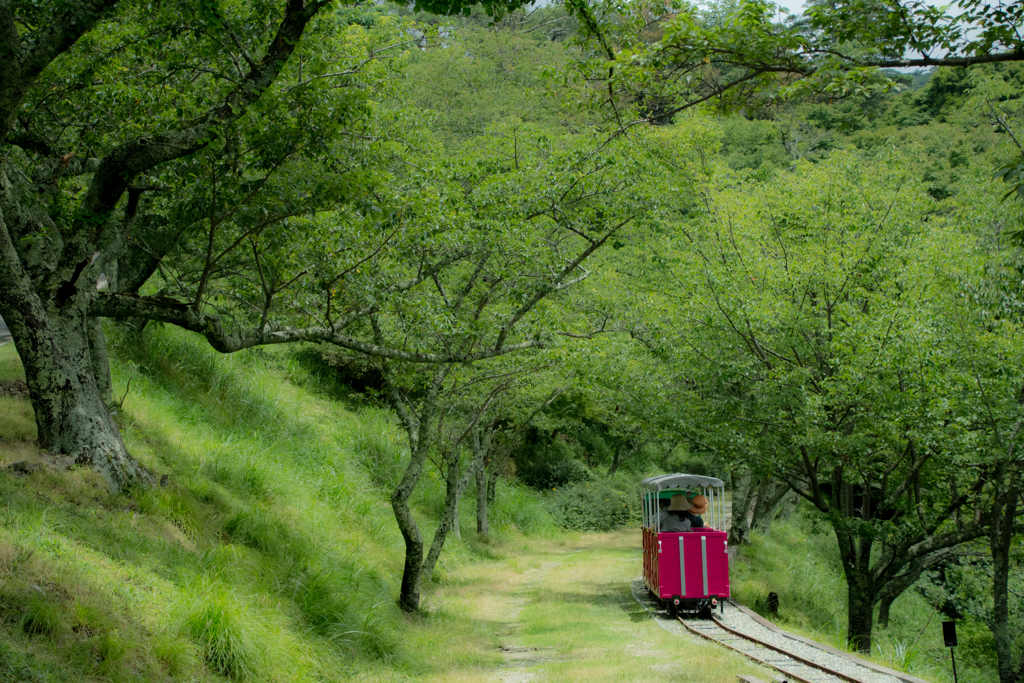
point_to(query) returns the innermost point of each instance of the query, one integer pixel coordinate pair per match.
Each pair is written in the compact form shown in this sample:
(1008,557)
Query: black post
(949,639)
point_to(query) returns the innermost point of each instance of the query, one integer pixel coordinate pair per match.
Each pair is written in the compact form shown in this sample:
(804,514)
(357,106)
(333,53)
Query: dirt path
(564,611)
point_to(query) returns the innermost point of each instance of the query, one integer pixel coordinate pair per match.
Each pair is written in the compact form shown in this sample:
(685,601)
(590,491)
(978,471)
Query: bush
(341,374)
(592,506)
(594,441)
(548,463)
(326,597)
(555,473)
(516,506)
(225,635)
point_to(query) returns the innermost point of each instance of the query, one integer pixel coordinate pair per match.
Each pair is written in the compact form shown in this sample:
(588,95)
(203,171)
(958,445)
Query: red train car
(688,571)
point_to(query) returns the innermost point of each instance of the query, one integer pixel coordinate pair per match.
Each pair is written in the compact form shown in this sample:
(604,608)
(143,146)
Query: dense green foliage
(568,246)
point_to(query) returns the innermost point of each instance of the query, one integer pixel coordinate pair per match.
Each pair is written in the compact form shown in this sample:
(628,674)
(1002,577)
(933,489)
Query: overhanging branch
(228,338)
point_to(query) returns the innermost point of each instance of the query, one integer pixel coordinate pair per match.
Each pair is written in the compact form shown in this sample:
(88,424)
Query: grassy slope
(801,563)
(270,555)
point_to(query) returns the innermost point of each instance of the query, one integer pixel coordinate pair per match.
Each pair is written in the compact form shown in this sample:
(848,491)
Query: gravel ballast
(737,620)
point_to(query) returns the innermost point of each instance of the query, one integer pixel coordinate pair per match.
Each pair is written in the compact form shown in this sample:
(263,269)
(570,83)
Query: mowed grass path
(561,610)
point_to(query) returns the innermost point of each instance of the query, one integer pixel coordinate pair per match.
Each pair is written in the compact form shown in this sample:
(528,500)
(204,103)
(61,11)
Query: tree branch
(131,158)
(228,338)
(20,67)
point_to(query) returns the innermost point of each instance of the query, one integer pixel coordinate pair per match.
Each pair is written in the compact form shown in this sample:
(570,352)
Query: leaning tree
(200,139)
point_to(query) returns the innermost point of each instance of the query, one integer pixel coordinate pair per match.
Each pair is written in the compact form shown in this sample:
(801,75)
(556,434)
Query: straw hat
(700,505)
(679,503)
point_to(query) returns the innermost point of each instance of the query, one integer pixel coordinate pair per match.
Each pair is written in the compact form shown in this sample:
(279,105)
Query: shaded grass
(10,363)
(17,421)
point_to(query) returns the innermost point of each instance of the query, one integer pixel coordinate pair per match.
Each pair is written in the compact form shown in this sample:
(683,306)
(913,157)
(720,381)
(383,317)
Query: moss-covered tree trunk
(100,360)
(855,555)
(861,594)
(860,618)
(72,417)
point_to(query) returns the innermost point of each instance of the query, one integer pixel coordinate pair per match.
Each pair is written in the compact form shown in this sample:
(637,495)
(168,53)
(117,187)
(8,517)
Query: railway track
(798,660)
(794,667)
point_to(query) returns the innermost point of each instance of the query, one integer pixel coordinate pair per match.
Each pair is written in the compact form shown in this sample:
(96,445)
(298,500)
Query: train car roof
(664,482)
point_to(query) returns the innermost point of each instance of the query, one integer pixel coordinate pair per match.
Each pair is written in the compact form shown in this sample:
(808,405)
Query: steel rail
(773,665)
(748,655)
(806,662)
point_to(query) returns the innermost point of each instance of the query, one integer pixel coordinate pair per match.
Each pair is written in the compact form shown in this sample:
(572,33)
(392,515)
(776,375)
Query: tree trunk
(498,460)
(892,588)
(625,450)
(769,494)
(861,606)
(1000,542)
(409,596)
(616,459)
(454,486)
(884,606)
(666,454)
(456,526)
(100,360)
(482,489)
(52,337)
(72,419)
(739,530)
(492,487)
(420,431)
(789,504)
(481,451)
(456,529)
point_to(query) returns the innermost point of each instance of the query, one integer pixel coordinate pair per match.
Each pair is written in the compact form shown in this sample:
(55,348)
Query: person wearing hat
(698,506)
(672,518)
